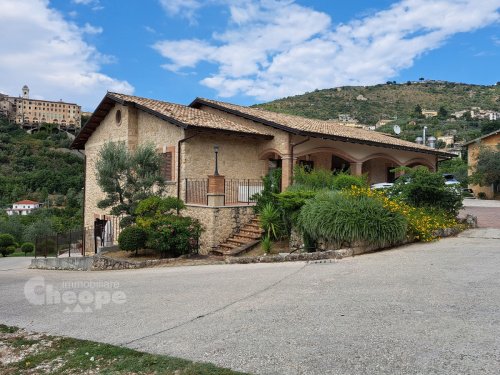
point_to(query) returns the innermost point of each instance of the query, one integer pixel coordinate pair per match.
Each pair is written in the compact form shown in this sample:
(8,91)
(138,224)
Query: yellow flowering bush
(423,223)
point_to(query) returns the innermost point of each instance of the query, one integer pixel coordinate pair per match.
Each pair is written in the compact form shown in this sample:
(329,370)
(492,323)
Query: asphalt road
(420,309)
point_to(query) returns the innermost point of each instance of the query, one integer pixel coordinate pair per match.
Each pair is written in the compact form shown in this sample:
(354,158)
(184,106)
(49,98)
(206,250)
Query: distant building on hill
(24,207)
(449,140)
(429,113)
(382,122)
(33,113)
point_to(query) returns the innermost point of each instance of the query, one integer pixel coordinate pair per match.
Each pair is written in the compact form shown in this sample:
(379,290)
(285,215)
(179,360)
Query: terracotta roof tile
(320,127)
(187,115)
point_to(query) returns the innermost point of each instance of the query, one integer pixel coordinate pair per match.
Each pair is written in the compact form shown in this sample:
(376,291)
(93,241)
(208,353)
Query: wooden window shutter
(167,166)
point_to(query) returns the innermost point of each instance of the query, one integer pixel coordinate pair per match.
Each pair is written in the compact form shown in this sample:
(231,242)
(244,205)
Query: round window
(118,117)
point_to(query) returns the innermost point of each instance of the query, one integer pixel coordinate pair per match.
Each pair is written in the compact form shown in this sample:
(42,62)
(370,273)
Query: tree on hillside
(489,126)
(487,170)
(467,116)
(417,112)
(442,113)
(127,177)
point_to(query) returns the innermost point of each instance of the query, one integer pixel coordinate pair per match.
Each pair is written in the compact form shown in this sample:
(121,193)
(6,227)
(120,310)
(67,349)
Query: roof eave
(200,101)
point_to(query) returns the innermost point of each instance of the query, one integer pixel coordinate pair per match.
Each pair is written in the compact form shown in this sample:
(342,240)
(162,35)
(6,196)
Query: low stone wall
(219,223)
(94,263)
(71,264)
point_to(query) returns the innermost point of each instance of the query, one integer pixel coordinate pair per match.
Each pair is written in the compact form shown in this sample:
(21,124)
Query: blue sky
(243,51)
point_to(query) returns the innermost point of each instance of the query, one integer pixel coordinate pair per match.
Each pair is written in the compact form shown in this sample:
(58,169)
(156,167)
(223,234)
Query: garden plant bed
(122,261)
(23,352)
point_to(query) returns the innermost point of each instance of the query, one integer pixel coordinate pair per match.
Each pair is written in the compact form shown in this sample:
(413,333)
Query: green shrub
(132,238)
(289,204)
(27,247)
(167,233)
(266,244)
(173,235)
(481,195)
(271,222)
(343,181)
(316,179)
(8,244)
(154,206)
(272,186)
(420,187)
(342,219)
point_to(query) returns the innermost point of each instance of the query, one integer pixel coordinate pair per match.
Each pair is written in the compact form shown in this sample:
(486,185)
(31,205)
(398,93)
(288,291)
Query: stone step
(249,236)
(237,241)
(239,249)
(251,231)
(227,245)
(253,227)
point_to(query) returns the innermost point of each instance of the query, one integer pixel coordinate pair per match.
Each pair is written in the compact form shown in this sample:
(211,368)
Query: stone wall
(238,157)
(107,131)
(473,152)
(219,223)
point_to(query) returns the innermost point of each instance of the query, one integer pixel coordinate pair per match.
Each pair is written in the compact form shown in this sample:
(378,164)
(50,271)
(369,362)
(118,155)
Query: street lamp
(424,140)
(216,150)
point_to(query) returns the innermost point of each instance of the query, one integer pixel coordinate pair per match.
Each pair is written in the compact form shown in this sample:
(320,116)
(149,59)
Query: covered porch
(376,162)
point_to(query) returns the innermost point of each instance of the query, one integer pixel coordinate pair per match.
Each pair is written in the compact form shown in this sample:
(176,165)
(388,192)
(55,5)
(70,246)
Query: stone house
(489,140)
(250,142)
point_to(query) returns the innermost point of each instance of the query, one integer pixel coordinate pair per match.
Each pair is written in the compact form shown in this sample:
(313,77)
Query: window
(167,167)
(118,117)
(308,165)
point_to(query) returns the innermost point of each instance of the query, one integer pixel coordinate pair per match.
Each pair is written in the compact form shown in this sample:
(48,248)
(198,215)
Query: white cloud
(49,54)
(185,8)
(85,2)
(275,48)
(89,29)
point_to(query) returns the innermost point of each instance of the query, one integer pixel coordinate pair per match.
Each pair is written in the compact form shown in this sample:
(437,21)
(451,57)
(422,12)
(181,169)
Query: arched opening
(273,160)
(380,168)
(325,158)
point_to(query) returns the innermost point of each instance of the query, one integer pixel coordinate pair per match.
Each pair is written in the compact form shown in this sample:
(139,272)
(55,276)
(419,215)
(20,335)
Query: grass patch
(62,355)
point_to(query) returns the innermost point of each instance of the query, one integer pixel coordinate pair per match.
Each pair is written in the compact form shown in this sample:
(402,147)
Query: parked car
(450,179)
(468,193)
(382,185)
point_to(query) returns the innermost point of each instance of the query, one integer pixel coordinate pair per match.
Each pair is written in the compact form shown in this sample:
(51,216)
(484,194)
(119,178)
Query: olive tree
(127,177)
(487,171)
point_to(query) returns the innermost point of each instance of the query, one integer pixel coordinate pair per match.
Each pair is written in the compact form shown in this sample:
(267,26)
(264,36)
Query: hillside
(41,168)
(387,100)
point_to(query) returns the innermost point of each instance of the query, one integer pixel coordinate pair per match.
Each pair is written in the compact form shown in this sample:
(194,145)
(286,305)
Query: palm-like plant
(270,220)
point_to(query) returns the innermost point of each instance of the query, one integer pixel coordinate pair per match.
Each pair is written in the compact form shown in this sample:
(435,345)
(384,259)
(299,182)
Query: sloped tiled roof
(482,137)
(26,201)
(313,127)
(180,115)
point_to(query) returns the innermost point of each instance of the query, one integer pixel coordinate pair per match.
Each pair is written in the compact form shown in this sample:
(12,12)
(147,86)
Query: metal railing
(196,191)
(241,191)
(236,191)
(70,243)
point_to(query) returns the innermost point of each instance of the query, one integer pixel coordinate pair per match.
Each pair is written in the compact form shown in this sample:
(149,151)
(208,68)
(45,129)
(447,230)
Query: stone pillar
(287,171)
(215,194)
(356,169)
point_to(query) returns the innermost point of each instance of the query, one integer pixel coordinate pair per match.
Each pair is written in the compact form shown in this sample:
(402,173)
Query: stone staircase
(247,237)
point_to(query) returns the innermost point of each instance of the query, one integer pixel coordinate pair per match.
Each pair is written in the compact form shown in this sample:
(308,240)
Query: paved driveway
(487,212)
(420,309)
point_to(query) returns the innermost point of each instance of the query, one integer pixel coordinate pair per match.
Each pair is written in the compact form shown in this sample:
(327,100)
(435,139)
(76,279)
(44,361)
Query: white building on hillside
(24,207)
